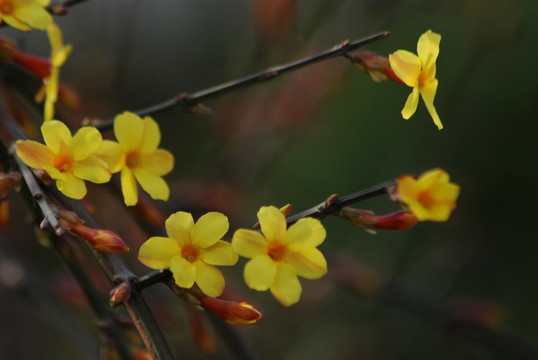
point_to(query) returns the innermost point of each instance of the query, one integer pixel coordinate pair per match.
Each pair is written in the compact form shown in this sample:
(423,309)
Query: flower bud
(101,240)
(120,293)
(286,210)
(398,220)
(232,312)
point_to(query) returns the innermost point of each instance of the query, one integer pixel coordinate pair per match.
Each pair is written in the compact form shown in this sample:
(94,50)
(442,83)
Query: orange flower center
(189,253)
(276,251)
(6,7)
(63,163)
(132,159)
(425,199)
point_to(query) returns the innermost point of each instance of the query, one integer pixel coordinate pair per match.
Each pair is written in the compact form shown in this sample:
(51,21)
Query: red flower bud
(230,311)
(120,293)
(101,240)
(398,220)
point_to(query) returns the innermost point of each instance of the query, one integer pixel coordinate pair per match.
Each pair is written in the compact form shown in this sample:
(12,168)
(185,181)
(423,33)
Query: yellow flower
(279,255)
(430,197)
(59,54)
(191,251)
(137,156)
(418,72)
(25,14)
(67,159)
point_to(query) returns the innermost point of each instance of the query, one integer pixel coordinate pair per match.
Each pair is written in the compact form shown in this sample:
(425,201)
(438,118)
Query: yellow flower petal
(56,135)
(286,288)
(128,187)
(157,252)
(220,253)
(85,142)
(112,154)
(428,48)
(209,228)
(306,232)
(72,186)
(54,173)
(160,162)
(178,227)
(154,185)
(259,273)
(307,262)
(35,16)
(209,279)
(34,154)
(272,223)
(411,104)
(16,23)
(428,94)
(406,66)
(249,243)
(184,272)
(92,169)
(151,136)
(129,129)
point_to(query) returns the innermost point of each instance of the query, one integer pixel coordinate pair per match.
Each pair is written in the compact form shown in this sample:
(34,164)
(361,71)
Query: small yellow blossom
(279,255)
(430,197)
(418,72)
(59,54)
(137,155)
(67,159)
(191,251)
(25,14)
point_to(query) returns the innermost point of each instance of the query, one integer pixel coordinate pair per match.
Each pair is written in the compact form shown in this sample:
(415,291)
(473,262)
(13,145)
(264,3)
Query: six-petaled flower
(418,72)
(191,251)
(137,155)
(67,159)
(430,197)
(278,255)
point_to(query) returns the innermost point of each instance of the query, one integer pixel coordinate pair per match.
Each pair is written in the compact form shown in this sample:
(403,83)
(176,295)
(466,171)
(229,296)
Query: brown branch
(186,101)
(112,265)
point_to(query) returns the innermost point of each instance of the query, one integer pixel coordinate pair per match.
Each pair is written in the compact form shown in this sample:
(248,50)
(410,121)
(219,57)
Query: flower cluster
(86,156)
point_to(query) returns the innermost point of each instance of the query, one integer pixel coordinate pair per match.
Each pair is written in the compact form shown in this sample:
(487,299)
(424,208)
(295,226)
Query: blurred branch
(187,101)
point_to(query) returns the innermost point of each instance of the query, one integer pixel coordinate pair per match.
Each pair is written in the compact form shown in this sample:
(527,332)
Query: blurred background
(324,129)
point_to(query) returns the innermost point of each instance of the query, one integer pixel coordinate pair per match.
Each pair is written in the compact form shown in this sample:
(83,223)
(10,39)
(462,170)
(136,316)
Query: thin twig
(187,101)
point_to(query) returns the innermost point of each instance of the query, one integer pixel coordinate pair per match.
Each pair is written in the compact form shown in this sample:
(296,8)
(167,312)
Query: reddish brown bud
(9,181)
(286,210)
(230,311)
(101,240)
(398,220)
(4,212)
(120,293)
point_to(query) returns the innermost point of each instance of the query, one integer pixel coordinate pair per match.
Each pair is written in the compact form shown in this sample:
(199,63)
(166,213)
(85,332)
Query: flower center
(6,7)
(63,163)
(132,159)
(189,253)
(425,199)
(276,251)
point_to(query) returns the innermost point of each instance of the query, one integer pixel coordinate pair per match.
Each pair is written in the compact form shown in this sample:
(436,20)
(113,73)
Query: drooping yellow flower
(430,197)
(25,14)
(67,159)
(191,251)
(418,72)
(278,255)
(59,54)
(137,155)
